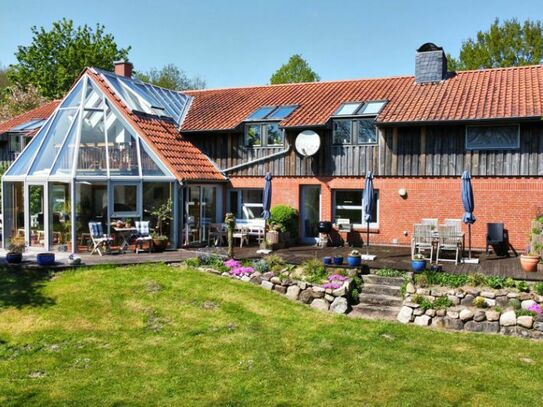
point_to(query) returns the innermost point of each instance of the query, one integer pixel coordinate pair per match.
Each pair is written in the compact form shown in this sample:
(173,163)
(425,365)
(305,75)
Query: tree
(506,44)
(4,80)
(171,77)
(55,58)
(294,71)
(17,100)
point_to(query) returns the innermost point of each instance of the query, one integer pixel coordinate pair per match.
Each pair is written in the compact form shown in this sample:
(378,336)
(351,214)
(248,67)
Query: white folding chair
(241,233)
(99,239)
(143,236)
(422,240)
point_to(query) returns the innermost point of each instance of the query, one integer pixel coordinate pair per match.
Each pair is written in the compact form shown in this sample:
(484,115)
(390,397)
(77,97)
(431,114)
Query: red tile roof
(469,95)
(182,157)
(42,112)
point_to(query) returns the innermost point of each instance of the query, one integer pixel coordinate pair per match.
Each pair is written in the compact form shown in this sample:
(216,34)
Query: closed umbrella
(468,203)
(266,196)
(369,203)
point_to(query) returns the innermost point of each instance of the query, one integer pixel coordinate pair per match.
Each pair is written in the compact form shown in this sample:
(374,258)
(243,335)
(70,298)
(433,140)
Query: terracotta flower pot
(529,263)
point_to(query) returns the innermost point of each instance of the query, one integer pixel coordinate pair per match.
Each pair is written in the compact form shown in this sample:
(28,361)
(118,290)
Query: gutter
(257,160)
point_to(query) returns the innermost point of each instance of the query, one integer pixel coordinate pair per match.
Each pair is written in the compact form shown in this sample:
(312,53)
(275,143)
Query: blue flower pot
(45,259)
(327,260)
(354,261)
(418,265)
(338,260)
(14,258)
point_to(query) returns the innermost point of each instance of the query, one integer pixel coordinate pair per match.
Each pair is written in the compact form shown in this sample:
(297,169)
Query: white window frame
(373,225)
(139,198)
(510,147)
(241,211)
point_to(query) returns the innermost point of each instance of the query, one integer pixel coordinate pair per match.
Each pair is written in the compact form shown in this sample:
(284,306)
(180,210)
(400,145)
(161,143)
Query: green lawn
(158,335)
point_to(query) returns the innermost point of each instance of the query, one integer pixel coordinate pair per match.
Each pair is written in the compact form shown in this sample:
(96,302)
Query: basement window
(504,137)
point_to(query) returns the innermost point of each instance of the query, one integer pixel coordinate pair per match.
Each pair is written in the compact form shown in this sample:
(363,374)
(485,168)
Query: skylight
(29,125)
(372,107)
(347,109)
(271,112)
(360,108)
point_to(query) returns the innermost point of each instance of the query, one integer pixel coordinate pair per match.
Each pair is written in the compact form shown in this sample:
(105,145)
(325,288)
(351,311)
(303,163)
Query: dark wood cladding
(431,151)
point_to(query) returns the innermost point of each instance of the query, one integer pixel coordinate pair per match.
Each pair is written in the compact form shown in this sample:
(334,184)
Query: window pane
(122,148)
(91,157)
(349,197)
(274,134)
(65,160)
(282,112)
(372,107)
(93,99)
(125,198)
(252,203)
(492,137)
(349,205)
(260,113)
(342,131)
(155,195)
(354,215)
(149,166)
(347,109)
(52,144)
(74,97)
(254,135)
(366,132)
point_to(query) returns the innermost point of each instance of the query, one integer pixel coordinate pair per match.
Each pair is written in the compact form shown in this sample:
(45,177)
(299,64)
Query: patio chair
(422,240)
(241,233)
(143,236)
(99,239)
(449,240)
(457,223)
(217,233)
(430,221)
(497,237)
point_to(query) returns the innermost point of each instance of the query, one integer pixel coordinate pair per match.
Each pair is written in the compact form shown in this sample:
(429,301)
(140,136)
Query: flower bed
(515,309)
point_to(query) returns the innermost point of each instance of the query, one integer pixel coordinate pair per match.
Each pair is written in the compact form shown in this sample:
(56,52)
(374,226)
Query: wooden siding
(433,151)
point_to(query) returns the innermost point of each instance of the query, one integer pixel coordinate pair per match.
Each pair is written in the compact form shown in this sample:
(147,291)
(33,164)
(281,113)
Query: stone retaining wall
(496,316)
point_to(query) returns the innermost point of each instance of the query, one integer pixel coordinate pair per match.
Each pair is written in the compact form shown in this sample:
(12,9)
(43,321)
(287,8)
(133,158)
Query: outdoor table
(124,234)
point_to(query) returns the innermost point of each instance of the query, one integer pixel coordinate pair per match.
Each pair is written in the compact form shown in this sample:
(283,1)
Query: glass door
(201,210)
(36,205)
(310,204)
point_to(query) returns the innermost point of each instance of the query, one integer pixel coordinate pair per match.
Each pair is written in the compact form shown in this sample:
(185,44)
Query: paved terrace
(387,257)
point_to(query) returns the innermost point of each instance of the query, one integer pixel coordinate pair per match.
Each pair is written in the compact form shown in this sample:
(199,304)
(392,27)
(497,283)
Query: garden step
(375,279)
(381,289)
(374,312)
(379,299)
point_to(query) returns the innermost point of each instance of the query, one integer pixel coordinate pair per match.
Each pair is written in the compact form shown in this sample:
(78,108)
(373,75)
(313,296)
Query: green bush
(386,272)
(523,286)
(539,288)
(476,279)
(495,282)
(522,312)
(285,219)
(421,280)
(514,303)
(275,262)
(446,279)
(261,266)
(480,302)
(442,303)
(314,271)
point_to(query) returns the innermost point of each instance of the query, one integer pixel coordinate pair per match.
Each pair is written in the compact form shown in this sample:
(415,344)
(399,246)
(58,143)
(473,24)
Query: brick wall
(513,201)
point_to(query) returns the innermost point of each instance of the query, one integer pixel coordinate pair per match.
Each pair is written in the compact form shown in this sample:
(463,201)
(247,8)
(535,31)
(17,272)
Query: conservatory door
(201,210)
(37,219)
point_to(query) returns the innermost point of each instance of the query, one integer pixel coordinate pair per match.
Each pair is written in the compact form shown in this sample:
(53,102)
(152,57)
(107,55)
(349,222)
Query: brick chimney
(430,64)
(123,68)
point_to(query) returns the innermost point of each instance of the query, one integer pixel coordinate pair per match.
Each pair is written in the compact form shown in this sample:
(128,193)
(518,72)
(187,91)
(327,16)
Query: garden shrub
(193,262)
(523,286)
(314,271)
(524,312)
(476,279)
(262,266)
(515,303)
(539,288)
(442,303)
(421,280)
(480,302)
(275,262)
(387,272)
(285,219)
(213,261)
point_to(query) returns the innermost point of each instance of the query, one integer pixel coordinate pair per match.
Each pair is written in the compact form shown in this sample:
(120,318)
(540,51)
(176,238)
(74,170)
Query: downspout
(268,157)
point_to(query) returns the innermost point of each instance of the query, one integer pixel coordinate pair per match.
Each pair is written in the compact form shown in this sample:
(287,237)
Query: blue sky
(236,42)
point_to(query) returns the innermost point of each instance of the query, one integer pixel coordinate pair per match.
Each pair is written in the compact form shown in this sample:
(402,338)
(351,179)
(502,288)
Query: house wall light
(402,192)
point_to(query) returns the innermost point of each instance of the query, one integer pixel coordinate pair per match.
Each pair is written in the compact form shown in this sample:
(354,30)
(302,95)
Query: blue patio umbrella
(368,199)
(266,196)
(468,203)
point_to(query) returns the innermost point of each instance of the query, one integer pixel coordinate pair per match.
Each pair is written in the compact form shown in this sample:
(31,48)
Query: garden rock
(467,300)
(502,300)
(339,305)
(492,315)
(438,322)
(454,299)
(479,316)
(302,285)
(317,293)
(268,275)
(329,297)
(490,302)
(525,321)
(418,311)
(405,314)
(538,326)
(441,312)
(410,288)
(423,320)
(306,296)
(275,280)
(525,296)
(488,294)
(280,289)
(245,279)
(293,291)
(423,291)
(508,318)
(472,291)
(320,304)
(256,280)
(339,292)
(527,304)
(466,315)
(452,323)
(430,312)
(452,314)
(267,285)
(512,295)
(486,326)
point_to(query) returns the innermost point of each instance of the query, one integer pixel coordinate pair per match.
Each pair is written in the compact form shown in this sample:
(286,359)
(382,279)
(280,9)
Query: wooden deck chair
(143,236)
(449,240)
(99,239)
(422,240)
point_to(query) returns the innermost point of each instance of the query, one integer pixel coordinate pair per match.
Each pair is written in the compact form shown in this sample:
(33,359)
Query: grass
(158,335)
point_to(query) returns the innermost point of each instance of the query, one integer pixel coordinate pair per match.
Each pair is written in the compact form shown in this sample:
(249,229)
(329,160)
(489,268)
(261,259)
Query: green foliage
(314,271)
(442,303)
(261,266)
(56,57)
(285,219)
(538,288)
(171,77)
(192,262)
(16,246)
(296,70)
(275,262)
(495,282)
(524,312)
(386,272)
(163,214)
(446,279)
(480,302)
(421,280)
(504,44)
(476,279)
(515,303)
(523,286)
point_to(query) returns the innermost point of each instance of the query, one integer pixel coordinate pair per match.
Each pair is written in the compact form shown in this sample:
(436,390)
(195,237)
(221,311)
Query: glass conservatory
(87,164)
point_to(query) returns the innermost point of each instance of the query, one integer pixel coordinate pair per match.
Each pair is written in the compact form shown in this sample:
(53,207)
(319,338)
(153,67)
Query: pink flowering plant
(535,308)
(236,269)
(337,277)
(331,285)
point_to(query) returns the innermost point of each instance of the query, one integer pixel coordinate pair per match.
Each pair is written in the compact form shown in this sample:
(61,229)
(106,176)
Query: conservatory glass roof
(86,137)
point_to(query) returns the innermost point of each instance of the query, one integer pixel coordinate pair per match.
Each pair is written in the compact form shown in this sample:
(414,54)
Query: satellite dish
(307,143)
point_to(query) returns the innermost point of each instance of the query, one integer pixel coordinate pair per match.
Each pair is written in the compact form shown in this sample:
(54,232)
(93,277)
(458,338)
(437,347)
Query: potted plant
(163,214)
(285,220)
(15,252)
(354,259)
(418,263)
(45,259)
(338,260)
(529,261)
(128,223)
(327,260)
